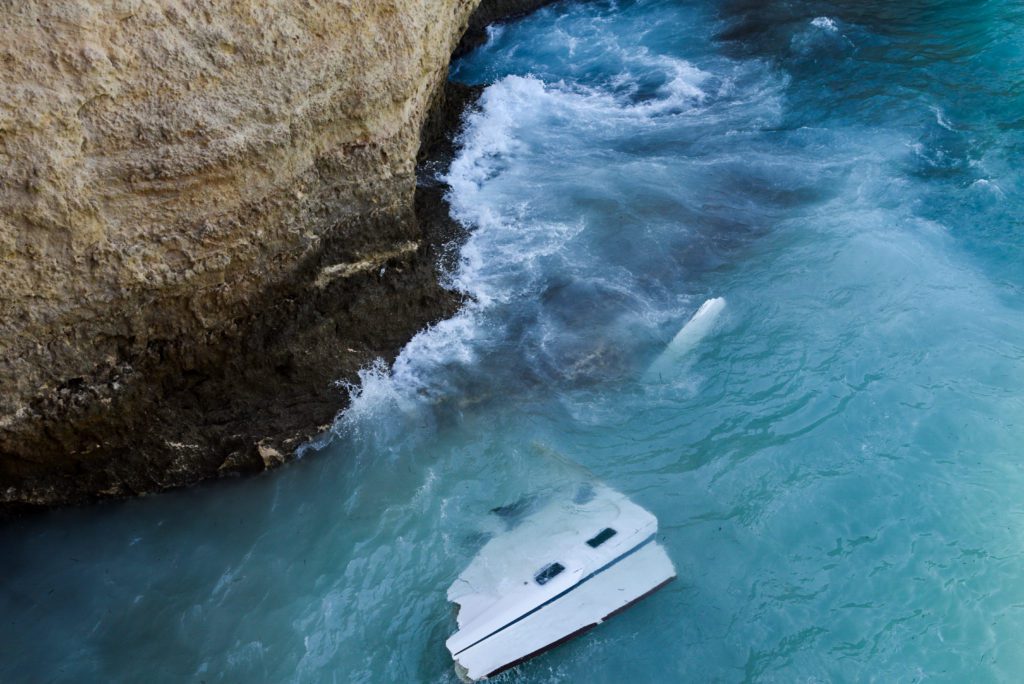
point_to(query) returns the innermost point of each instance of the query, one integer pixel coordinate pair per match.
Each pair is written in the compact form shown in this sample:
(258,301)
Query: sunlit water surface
(837,467)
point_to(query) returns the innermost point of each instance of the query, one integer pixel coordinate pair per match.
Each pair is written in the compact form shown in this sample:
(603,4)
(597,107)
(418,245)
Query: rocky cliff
(206,218)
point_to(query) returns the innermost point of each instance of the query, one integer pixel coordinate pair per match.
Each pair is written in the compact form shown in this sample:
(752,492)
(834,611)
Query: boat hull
(601,595)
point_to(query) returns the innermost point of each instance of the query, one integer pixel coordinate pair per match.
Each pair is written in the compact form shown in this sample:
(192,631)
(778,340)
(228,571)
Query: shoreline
(242,404)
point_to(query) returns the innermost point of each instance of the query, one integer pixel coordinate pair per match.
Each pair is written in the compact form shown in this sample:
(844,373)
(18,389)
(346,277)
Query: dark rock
(494,12)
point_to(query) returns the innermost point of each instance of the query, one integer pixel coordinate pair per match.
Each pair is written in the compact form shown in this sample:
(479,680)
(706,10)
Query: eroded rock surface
(206,218)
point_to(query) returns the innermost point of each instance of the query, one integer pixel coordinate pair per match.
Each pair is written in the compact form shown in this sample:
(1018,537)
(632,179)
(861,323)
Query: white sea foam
(825,23)
(505,255)
(517,104)
(822,33)
(989,186)
(683,86)
(413,381)
(940,118)
(500,249)
(494,32)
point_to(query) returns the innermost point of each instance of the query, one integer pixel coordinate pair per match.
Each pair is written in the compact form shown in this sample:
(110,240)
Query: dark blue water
(836,462)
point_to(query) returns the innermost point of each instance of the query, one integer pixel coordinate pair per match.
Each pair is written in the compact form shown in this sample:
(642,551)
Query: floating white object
(696,329)
(562,569)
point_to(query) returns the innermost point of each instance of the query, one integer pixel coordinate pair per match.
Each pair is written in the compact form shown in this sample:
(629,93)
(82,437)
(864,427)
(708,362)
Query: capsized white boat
(566,565)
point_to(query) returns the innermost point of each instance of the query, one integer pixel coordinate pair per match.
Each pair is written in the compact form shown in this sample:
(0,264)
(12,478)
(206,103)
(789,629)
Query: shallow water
(836,464)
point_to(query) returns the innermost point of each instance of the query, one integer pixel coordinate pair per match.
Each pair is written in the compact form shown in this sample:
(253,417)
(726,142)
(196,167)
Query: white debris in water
(689,336)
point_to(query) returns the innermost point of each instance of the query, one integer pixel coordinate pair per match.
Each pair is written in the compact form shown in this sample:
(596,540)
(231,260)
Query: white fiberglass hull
(592,599)
(702,324)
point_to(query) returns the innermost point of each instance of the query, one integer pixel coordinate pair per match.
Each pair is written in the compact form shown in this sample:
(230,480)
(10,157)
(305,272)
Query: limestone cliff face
(206,217)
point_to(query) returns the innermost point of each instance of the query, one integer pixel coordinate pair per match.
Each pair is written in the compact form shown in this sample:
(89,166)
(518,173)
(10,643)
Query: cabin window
(548,572)
(601,537)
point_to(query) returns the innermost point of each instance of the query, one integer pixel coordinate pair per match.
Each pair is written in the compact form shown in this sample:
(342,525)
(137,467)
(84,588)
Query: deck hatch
(549,572)
(601,537)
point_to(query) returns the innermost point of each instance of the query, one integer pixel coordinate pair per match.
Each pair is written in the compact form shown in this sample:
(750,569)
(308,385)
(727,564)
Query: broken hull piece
(514,607)
(569,616)
(700,325)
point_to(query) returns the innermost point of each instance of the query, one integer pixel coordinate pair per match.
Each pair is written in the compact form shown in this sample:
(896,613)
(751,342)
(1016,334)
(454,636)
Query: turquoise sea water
(837,466)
